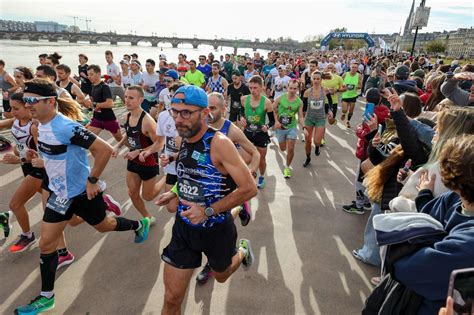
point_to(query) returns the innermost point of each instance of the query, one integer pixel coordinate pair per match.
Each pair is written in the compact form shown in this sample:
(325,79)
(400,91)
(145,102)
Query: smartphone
(369,111)
(461,289)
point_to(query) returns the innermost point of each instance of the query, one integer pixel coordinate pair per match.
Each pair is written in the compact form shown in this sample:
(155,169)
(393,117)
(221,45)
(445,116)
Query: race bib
(316,104)
(57,204)
(133,144)
(191,191)
(126,85)
(350,87)
(171,145)
(285,120)
(151,89)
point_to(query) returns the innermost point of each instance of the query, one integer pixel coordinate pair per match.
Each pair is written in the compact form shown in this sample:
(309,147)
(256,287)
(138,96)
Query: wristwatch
(92,180)
(209,211)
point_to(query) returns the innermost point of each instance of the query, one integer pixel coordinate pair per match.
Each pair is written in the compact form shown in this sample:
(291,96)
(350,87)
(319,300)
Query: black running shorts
(171,179)
(92,211)
(188,243)
(35,172)
(145,172)
(259,139)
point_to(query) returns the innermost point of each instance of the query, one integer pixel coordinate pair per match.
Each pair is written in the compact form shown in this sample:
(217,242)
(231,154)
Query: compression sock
(124,224)
(48,266)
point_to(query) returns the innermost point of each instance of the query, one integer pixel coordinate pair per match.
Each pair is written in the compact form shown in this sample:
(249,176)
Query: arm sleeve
(329,98)
(451,90)
(305,102)
(81,137)
(412,147)
(271,119)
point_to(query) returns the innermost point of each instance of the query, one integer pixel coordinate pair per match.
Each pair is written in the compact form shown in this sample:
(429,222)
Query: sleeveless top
(255,116)
(216,86)
(137,140)
(199,181)
(4,85)
(23,137)
(226,128)
(126,80)
(67,88)
(351,82)
(287,111)
(315,109)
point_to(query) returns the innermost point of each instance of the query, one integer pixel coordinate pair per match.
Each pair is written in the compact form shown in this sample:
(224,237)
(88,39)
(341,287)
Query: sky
(245,19)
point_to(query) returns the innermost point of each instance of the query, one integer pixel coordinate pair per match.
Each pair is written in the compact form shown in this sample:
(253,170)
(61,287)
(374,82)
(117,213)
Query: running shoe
(261,182)
(142,233)
(367,206)
(356,255)
(323,142)
(343,117)
(152,220)
(375,281)
(204,275)
(352,208)
(348,124)
(317,151)
(248,259)
(287,172)
(5,222)
(244,214)
(39,304)
(23,243)
(65,260)
(307,162)
(112,205)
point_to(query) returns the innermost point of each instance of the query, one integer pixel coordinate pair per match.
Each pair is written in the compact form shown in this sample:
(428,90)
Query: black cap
(402,72)
(373,96)
(162,70)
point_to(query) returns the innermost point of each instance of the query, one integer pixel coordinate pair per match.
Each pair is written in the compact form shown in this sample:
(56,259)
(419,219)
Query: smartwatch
(92,180)
(209,211)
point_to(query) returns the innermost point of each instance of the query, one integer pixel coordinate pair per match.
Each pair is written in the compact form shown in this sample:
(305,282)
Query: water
(25,53)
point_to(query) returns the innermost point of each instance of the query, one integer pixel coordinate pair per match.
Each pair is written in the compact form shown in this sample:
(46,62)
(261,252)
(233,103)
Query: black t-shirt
(99,94)
(86,84)
(236,94)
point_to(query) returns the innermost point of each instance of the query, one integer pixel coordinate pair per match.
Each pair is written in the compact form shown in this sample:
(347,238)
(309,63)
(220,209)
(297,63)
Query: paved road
(301,238)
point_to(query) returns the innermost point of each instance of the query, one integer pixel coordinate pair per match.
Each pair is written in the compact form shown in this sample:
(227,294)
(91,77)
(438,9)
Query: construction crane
(87,23)
(74,17)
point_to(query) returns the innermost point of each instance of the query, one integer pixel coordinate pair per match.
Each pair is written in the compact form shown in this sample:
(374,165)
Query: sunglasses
(168,80)
(185,113)
(34,99)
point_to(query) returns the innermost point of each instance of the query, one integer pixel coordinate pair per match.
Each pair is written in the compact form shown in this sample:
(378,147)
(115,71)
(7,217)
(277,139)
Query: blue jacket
(427,271)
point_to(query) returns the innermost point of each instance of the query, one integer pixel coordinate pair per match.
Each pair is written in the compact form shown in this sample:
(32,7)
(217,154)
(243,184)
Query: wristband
(174,190)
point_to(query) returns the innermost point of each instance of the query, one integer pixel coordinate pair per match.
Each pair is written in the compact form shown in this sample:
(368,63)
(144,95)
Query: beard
(212,118)
(189,132)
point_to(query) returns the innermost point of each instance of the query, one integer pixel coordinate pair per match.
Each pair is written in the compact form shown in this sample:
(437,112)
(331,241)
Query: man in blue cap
(212,179)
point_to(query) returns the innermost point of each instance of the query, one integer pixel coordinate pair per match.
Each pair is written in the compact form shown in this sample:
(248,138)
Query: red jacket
(362,130)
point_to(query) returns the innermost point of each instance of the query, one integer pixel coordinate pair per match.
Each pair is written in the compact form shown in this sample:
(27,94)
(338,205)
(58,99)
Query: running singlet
(166,127)
(225,130)
(23,138)
(351,82)
(199,181)
(287,111)
(137,140)
(255,116)
(68,88)
(216,86)
(315,109)
(126,80)
(62,143)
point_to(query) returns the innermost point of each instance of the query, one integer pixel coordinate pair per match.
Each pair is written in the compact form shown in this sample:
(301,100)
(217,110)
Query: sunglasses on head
(34,99)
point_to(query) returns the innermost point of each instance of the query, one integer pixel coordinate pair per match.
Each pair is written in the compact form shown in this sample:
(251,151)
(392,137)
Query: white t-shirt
(322,65)
(281,85)
(165,98)
(137,78)
(166,128)
(126,79)
(150,81)
(112,70)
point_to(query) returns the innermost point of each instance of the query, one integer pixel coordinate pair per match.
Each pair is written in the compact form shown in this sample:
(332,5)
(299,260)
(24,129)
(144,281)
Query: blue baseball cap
(193,95)
(172,74)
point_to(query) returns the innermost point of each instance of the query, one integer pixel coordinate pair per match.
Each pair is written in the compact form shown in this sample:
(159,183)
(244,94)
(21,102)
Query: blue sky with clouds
(243,19)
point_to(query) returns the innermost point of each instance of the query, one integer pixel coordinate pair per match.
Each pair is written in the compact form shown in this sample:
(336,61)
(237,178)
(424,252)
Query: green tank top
(287,111)
(255,116)
(351,82)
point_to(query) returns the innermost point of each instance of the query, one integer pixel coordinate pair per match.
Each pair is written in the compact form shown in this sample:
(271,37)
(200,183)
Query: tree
(339,30)
(435,46)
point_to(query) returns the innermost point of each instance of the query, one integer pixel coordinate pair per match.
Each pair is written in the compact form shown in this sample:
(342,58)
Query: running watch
(92,180)
(209,211)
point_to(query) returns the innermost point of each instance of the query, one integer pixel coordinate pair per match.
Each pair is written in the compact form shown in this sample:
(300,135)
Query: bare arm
(10,79)
(239,138)
(6,123)
(107,104)
(78,93)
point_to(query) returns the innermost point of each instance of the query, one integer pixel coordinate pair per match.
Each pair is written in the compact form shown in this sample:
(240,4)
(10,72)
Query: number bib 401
(57,204)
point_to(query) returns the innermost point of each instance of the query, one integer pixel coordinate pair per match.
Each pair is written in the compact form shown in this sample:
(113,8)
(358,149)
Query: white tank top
(127,80)
(23,138)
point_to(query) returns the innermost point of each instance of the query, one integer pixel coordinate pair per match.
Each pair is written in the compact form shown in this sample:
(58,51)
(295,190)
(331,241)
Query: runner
(334,85)
(285,109)
(48,73)
(136,73)
(353,82)
(148,83)
(64,72)
(140,134)
(315,118)
(280,83)
(235,91)
(250,71)
(74,186)
(305,80)
(208,169)
(216,82)
(8,86)
(194,76)
(113,80)
(101,103)
(126,78)
(86,84)
(171,77)
(204,67)
(253,122)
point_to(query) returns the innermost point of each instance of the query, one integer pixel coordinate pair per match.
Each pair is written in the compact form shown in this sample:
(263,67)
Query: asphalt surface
(301,239)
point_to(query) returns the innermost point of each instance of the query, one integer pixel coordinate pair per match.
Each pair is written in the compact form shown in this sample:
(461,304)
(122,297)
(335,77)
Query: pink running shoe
(112,205)
(244,214)
(65,260)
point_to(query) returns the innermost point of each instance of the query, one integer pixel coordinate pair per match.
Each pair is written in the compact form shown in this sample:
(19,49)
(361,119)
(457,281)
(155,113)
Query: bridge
(114,39)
